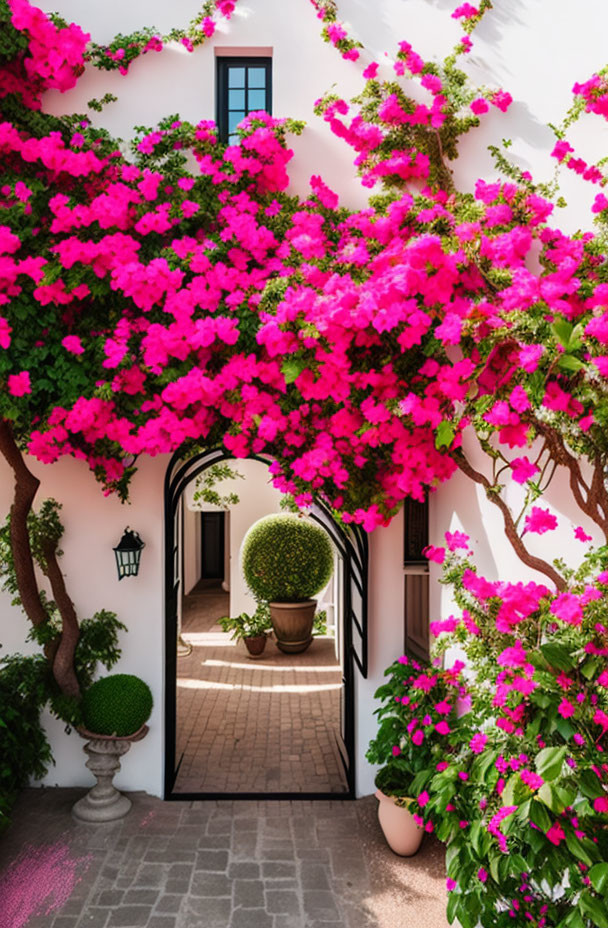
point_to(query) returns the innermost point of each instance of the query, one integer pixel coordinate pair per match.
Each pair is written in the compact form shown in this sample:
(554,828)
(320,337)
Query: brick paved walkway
(258,726)
(213,864)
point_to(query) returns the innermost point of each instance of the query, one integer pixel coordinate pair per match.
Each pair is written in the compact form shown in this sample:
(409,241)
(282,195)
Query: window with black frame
(244,85)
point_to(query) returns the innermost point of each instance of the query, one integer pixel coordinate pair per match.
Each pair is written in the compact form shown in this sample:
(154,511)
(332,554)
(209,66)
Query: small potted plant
(253,629)
(114,710)
(418,720)
(286,561)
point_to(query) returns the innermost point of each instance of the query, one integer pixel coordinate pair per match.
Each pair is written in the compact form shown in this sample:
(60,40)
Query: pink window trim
(243,51)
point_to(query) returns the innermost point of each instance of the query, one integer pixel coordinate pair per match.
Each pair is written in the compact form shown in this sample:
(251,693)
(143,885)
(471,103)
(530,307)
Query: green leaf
(594,908)
(540,816)
(550,798)
(568,362)
(549,762)
(599,877)
(565,728)
(562,331)
(445,434)
(590,784)
(558,656)
(576,847)
(291,369)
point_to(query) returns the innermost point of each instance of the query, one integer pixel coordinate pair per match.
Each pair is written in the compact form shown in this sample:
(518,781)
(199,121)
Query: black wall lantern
(128,553)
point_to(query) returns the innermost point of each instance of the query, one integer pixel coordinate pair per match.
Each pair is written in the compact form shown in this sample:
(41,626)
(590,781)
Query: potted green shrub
(253,629)
(286,561)
(115,710)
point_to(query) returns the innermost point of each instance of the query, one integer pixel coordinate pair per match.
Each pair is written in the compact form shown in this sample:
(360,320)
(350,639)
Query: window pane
(234,119)
(236,77)
(256,100)
(236,99)
(256,77)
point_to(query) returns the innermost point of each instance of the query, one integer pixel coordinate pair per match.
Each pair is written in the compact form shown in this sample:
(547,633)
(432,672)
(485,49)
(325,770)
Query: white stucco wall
(93,525)
(536,50)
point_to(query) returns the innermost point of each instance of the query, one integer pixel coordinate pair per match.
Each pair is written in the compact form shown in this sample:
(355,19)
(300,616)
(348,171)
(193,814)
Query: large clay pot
(292,624)
(402,833)
(104,803)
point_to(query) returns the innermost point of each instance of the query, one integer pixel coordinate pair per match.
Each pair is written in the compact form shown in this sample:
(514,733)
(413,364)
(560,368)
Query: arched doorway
(352,549)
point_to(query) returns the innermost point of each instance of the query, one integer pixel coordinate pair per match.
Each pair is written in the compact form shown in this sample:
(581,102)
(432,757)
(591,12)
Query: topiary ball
(286,559)
(117,705)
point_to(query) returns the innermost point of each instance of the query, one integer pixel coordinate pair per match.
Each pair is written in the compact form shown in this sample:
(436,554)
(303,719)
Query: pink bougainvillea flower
(443,728)
(73,344)
(568,608)
(478,742)
(566,709)
(556,834)
(450,884)
(19,384)
(418,737)
(396,750)
(581,534)
(455,540)
(434,553)
(479,106)
(423,798)
(5,333)
(482,875)
(540,521)
(523,469)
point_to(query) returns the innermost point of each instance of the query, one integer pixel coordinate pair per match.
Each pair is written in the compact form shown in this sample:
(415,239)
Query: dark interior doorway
(213,533)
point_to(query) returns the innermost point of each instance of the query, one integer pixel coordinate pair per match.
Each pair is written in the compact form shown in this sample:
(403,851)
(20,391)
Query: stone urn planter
(104,803)
(402,834)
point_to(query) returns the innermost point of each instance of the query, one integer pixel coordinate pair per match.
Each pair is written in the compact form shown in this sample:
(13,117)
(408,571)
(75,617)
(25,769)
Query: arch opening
(279,726)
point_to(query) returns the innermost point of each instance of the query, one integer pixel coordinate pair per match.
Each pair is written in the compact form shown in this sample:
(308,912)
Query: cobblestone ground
(254,726)
(208,864)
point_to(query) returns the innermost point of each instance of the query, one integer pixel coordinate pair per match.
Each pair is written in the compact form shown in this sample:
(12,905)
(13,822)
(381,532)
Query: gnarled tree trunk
(61,652)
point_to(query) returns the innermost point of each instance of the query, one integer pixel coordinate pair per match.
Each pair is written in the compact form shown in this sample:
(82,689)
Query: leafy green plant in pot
(418,726)
(286,561)
(253,629)
(115,710)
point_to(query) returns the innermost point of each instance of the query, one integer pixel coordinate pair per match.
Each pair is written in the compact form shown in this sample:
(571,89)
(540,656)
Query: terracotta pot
(402,833)
(292,624)
(255,644)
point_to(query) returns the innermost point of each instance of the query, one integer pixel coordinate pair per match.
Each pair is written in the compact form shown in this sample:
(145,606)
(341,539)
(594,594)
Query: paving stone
(282,902)
(211,884)
(211,913)
(321,905)
(181,887)
(244,870)
(109,897)
(278,870)
(169,903)
(248,893)
(140,897)
(211,860)
(313,875)
(129,916)
(251,918)
(162,921)
(150,875)
(66,921)
(94,918)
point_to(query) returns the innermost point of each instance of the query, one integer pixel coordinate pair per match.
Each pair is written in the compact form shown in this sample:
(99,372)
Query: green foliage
(205,486)
(25,750)
(117,705)
(286,559)
(248,626)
